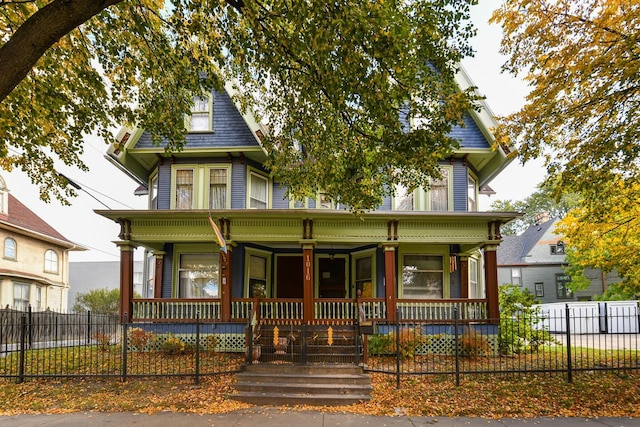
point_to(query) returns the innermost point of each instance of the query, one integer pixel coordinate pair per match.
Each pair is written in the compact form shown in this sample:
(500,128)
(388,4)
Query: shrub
(521,329)
(473,343)
(139,338)
(173,345)
(102,340)
(409,339)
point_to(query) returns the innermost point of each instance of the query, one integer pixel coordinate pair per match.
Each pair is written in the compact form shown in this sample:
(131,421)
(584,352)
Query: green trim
(264,254)
(360,255)
(187,118)
(253,171)
(190,248)
(201,182)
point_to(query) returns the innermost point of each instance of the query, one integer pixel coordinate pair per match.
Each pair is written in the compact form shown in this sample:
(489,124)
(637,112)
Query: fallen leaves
(590,395)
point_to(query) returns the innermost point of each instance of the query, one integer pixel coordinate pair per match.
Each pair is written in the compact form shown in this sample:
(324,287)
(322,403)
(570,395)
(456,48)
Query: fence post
(456,343)
(23,338)
(197,377)
(569,361)
(125,341)
(30,326)
(398,349)
(303,353)
(88,326)
(357,340)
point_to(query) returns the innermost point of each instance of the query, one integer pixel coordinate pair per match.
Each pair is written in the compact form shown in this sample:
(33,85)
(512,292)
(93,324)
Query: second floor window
(201,186)
(439,192)
(51,261)
(153,192)
(472,205)
(184,189)
(439,196)
(258,191)
(10,248)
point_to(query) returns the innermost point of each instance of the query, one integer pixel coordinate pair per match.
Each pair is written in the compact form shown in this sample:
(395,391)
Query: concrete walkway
(273,417)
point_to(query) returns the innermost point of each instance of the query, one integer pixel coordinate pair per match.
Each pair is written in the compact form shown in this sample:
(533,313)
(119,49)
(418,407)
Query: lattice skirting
(222,342)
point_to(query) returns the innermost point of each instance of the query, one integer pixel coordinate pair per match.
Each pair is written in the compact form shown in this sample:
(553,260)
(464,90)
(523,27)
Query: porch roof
(152,228)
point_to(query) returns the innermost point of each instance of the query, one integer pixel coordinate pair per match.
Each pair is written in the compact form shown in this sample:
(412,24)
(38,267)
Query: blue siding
(167,271)
(278,201)
(459,186)
(229,129)
(164,186)
(238,184)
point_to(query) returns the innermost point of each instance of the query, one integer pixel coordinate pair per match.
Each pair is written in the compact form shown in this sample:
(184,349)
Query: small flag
(221,242)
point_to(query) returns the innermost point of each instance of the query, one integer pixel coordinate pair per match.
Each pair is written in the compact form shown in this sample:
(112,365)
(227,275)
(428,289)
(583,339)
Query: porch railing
(469,310)
(325,309)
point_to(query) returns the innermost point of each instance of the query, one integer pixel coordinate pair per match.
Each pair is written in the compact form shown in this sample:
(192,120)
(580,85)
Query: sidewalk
(273,417)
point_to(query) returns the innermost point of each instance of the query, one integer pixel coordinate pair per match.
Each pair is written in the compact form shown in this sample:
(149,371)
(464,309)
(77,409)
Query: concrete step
(302,384)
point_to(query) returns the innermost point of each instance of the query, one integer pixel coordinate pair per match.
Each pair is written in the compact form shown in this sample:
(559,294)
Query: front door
(332,278)
(289,276)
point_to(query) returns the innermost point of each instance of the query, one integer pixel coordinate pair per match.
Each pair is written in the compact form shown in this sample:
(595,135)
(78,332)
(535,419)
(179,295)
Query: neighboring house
(34,269)
(89,275)
(422,253)
(535,260)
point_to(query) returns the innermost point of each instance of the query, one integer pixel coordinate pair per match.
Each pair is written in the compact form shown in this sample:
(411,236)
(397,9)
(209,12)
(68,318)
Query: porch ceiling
(286,227)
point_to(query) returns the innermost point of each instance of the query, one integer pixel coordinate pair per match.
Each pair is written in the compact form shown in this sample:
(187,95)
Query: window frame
(251,173)
(153,201)
(193,249)
(201,183)
(207,184)
(564,279)
(518,275)
(474,278)
(187,119)
(267,255)
(48,262)
(15,249)
(355,257)
(427,250)
(25,302)
(174,185)
(472,177)
(422,197)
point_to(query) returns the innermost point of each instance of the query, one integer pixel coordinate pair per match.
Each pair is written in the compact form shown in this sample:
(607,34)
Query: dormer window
(558,248)
(201,117)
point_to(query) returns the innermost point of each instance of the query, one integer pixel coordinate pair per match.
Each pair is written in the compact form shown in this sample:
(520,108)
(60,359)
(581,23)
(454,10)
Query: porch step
(329,385)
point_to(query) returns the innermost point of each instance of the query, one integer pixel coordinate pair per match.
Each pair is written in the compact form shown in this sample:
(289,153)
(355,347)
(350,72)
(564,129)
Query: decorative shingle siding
(229,129)
(469,136)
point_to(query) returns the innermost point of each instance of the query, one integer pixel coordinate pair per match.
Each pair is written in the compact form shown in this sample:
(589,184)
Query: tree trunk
(38,33)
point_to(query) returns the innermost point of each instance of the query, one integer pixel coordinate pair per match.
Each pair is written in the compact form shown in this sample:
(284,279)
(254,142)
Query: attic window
(558,248)
(200,119)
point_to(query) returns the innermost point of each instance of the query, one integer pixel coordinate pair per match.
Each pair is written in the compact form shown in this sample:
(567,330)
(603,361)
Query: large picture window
(422,276)
(199,276)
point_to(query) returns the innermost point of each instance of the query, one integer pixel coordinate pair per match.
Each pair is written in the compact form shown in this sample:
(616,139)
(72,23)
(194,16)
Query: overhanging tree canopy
(337,83)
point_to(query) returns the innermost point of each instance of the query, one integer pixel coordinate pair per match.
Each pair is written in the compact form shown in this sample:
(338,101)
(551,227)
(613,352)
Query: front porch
(324,310)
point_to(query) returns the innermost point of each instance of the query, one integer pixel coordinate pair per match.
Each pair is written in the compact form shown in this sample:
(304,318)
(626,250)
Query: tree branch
(39,33)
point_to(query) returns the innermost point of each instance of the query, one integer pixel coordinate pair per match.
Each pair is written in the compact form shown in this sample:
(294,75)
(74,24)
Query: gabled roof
(515,249)
(26,221)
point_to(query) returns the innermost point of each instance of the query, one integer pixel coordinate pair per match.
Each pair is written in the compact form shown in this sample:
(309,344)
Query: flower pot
(257,351)
(281,346)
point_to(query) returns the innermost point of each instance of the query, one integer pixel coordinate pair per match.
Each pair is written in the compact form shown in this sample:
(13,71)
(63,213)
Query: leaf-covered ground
(598,394)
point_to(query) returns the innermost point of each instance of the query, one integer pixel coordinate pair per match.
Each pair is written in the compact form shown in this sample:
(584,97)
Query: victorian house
(418,256)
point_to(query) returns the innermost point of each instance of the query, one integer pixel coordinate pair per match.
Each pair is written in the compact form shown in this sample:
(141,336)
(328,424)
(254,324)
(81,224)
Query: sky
(78,222)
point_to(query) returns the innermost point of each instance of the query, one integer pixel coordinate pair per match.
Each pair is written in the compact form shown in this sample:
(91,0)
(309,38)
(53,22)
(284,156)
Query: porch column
(390,274)
(307,270)
(225,286)
(126,280)
(157,279)
(464,277)
(491,281)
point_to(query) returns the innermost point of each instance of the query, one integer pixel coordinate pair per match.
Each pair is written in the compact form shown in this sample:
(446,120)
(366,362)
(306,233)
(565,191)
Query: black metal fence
(562,342)
(39,345)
